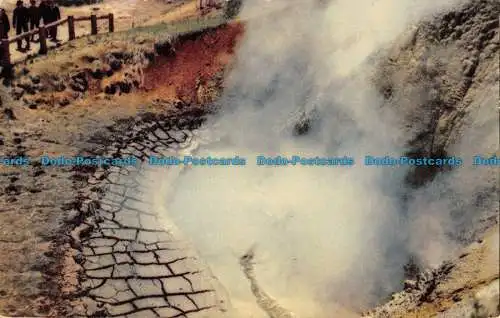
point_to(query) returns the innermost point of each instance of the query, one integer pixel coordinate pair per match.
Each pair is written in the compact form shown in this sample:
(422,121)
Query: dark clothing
(34,15)
(53,15)
(4,35)
(34,25)
(20,21)
(5,26)
(20,16)
(21,29)
(53,33)
(44,12)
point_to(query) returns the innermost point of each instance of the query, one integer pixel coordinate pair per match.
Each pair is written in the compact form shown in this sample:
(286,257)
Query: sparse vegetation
(106,64)
(77,52)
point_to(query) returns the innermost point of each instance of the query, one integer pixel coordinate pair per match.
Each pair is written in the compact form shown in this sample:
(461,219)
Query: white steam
(326,237)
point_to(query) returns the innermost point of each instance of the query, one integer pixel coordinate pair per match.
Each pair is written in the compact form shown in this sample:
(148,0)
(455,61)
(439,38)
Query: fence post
(71,27)
(42,35)
(6,53)
(93,24)
(111,23)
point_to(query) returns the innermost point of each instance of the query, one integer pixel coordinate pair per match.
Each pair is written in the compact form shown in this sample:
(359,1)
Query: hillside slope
(451,65)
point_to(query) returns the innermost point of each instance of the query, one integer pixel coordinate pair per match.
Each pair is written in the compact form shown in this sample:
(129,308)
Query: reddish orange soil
(196,61)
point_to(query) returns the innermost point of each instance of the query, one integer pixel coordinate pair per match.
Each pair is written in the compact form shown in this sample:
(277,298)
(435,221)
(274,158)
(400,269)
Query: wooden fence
(42,32)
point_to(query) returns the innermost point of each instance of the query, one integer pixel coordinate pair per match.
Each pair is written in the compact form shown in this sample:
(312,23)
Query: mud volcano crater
(126,262)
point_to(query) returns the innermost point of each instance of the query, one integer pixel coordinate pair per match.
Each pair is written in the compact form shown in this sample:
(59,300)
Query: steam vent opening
(253,159)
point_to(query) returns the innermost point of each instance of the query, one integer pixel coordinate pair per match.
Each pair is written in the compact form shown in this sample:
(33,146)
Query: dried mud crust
(123,261)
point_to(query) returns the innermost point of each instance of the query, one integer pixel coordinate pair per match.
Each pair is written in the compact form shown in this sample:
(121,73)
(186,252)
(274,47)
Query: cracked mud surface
(81,241)
(133,264)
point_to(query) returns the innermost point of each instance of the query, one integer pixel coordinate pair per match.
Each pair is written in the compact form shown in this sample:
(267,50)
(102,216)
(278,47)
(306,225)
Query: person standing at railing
(4,35)
(34,16)
(4,24)
(20,21)
(44,13)
(54,14)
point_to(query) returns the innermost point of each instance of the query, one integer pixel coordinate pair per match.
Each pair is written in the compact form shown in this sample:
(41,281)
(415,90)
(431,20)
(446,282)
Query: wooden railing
(43,30)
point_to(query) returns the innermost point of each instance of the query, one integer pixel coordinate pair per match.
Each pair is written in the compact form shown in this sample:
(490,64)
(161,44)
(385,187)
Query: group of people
(29,18)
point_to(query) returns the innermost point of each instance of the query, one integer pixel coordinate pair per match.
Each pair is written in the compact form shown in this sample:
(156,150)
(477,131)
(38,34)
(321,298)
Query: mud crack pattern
(132,263)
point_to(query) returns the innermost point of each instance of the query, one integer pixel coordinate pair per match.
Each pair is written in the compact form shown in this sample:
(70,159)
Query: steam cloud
(327,239)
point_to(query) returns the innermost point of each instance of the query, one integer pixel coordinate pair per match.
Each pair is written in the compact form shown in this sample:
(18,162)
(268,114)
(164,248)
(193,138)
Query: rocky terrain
(85,241)
(454,57)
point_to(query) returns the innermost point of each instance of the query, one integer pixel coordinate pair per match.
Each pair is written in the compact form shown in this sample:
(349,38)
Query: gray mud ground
(42,206)
(133,264)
